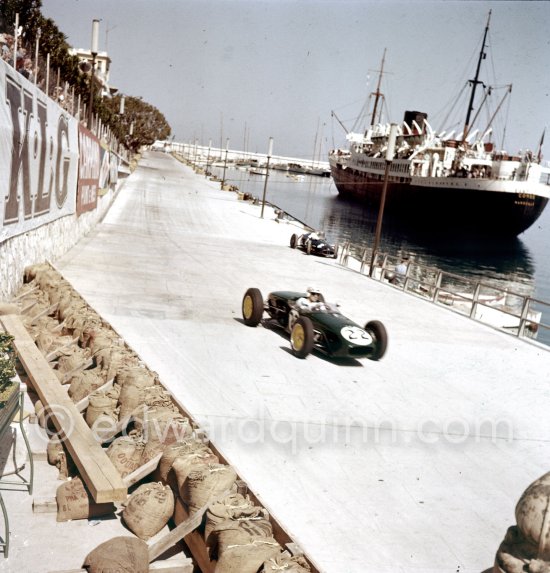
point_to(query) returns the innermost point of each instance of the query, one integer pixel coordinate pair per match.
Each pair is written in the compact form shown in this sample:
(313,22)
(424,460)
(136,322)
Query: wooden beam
(142,471)
(82,366)
(95,468)
(174,565)
(85,402)
(51,355)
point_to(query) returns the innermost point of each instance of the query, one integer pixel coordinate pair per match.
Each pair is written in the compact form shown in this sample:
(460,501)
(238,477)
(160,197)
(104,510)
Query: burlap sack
(285,564)
(148,509)
(74,502)
(531,515)
(119,555)
(247,557)
(125,453)
(162,424)
(72,358)
(129,399)
(184,465)
(233,507)
(206,483)
(84,382)
(100,405)
(32,271)
(181,449)
(57,456)
(111,360)
(135,375)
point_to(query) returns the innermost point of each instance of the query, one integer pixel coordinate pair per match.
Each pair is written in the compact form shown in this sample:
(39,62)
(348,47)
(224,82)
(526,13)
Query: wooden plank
(85,402)
(175,565)
(142,471)
(96,469)
(24,294)
(44,505)
(193,540)
(45,312)
(86,364)
(51,355)
(186,531)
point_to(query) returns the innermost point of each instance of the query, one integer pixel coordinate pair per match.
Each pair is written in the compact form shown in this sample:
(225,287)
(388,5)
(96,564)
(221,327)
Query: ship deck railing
(516,313)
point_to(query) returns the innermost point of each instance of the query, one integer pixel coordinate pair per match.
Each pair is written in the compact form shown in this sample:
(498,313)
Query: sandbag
(206,483)
(182,449)
(101,405)
(84,382)
(184,465)
(148,509)
(119,555)
(247,557)
(125,453)
(233,507)
(531,511)
(286,564)
(57,456)
(74,502)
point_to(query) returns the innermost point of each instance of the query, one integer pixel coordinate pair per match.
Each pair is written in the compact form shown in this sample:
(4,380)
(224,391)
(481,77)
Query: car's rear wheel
(309,247)
(293,241)
(301,337)
(380,339)
(252,307)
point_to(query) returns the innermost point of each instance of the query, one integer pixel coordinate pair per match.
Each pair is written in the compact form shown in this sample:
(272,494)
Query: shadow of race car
(322,327)
(313,244)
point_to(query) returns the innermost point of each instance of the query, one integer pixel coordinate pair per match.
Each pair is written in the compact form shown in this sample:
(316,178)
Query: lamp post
(95,41)
(207,159)
(38,34)
(269,153)
(225,162)
(390,150)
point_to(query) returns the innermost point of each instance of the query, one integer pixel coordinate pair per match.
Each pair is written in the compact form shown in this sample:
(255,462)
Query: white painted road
(411,464)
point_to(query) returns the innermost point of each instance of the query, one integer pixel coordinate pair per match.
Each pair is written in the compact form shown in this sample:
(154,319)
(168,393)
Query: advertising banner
(38,156)
(89,167)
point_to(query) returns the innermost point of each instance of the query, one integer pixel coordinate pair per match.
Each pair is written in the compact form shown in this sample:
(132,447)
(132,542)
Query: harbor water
(521,265)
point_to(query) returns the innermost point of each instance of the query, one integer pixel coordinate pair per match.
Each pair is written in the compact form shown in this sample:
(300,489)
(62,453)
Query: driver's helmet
(313,294)
(321,235)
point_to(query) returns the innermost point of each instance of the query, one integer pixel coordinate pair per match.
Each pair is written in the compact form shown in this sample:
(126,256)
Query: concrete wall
(48,242)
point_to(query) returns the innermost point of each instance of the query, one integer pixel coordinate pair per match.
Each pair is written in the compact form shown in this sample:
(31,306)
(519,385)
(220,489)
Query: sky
(248,70)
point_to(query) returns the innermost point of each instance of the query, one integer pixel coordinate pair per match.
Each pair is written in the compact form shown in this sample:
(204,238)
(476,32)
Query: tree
(140,124)
(148,123)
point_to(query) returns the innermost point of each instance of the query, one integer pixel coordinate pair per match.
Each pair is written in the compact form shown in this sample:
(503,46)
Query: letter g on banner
(63,162)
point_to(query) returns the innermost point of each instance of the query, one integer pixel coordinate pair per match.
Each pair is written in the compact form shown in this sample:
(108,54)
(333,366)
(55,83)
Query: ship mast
(476,81)
(377,93)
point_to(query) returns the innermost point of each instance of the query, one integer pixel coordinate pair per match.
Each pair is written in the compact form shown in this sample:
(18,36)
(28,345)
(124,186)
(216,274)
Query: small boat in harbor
(440,182)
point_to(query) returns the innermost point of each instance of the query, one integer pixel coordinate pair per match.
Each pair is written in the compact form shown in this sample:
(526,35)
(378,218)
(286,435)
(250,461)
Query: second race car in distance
(314,243)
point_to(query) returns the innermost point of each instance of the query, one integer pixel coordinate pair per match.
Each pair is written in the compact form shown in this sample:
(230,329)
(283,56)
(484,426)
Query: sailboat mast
(476,80)
(377,93)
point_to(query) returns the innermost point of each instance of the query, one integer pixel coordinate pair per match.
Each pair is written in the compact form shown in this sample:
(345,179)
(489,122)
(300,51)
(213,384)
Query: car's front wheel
(380,339)
(293,241)
(301,337)
(309,248)
(252,307)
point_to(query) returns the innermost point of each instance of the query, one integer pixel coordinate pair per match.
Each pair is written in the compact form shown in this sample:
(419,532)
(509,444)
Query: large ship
(436,181)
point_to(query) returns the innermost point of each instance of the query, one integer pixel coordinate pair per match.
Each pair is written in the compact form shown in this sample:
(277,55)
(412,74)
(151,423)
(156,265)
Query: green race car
(321,326)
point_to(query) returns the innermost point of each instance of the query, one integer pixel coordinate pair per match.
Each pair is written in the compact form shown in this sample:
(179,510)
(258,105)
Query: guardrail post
(363,261)
(474,300)
(438,281)
(524,314)
(383,269)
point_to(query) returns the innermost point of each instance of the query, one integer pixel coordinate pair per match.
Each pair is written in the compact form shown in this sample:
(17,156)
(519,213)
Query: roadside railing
(510,311)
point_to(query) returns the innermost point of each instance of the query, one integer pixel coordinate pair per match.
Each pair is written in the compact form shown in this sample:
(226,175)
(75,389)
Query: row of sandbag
(238,534)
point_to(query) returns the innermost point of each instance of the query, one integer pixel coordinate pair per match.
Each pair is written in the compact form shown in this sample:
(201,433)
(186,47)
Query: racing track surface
(414,463)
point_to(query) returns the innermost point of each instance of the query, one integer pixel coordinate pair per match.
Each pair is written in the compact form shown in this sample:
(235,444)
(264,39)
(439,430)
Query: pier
(410,464)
